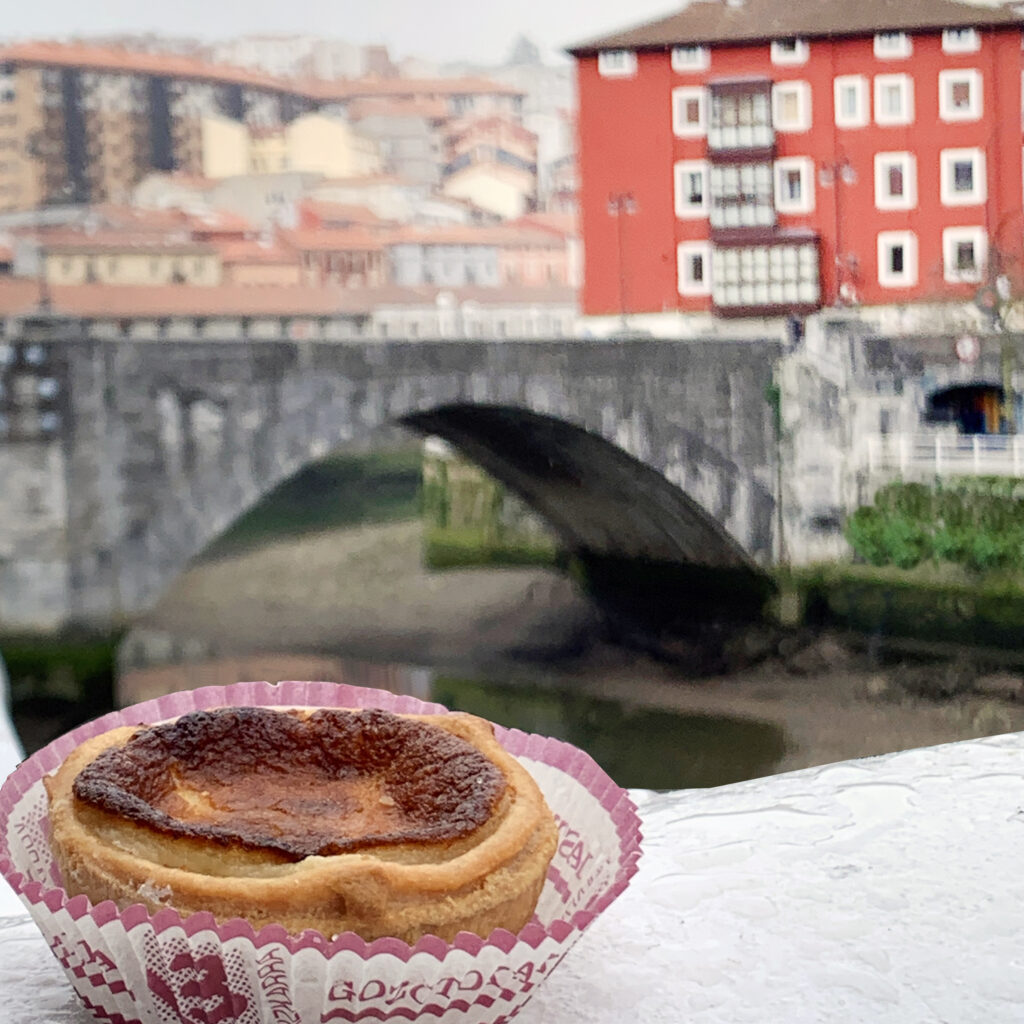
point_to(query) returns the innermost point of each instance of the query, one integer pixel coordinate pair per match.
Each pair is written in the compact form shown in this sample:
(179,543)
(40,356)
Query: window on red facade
(960,95)
(963,176)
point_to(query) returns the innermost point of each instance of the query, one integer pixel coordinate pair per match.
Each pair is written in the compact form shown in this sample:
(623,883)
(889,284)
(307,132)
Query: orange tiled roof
(418,88)
(63,240)
(20,296)
(332,240)
(106,58)
(99,301)
(565,224)
(390,106)
(251,250)
(168,65)
(218,222)
(500,235)
(468,126)
(349,212)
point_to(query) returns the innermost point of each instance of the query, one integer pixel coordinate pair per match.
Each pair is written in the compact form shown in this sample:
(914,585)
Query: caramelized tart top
(294,783)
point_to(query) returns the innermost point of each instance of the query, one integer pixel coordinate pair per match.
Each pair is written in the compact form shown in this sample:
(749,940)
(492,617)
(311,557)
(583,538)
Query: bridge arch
(161,447)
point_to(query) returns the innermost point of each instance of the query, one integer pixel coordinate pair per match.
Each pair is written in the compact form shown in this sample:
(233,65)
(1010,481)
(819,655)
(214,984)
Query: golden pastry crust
(336,820)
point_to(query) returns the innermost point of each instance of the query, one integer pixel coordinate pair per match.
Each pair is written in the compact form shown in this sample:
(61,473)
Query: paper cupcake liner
(133,966)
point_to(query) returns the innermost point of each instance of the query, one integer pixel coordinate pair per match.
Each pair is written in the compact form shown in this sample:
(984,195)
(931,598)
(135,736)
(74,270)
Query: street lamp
(620,206)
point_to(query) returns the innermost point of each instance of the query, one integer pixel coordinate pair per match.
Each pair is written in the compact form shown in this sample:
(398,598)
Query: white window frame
(616,63)
(802,122)
(951,238)
(805,165)
(685,283)
(691,58)
(960,40)
(887,241)
(862,116)
(893,45)
(883,199)
(948,158)
(684,129)
(782,54)
(685,210)
(947,79)
(883,116)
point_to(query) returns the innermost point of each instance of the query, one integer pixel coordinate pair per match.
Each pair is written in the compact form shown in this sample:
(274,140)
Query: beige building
(83,124)
(492,163)
(225,146)
(268,151)
(115,258)
(328,145)
(491,187)
(21,121)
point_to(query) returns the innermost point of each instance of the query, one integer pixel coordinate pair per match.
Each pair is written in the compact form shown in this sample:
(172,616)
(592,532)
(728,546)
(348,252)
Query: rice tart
(331,819)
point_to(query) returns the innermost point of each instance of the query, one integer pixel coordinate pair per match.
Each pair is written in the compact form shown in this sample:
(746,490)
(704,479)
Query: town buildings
(85,124)
(763,159)
(136,179)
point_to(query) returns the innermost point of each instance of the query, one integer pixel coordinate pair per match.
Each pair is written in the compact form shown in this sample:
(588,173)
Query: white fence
(946,454)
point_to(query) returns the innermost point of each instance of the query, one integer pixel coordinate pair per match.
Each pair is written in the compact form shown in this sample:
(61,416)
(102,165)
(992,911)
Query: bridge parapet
(157,448)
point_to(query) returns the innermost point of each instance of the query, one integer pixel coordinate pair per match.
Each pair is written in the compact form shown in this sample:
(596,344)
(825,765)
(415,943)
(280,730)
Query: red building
(763,157)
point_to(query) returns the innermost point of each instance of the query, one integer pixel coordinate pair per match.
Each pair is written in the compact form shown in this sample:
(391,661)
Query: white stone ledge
(886,890)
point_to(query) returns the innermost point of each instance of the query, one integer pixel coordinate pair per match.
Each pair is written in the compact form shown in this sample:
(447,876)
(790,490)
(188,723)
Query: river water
(348,600)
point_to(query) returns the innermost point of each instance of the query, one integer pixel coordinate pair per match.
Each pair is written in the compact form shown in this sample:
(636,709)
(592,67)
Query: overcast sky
(444,30)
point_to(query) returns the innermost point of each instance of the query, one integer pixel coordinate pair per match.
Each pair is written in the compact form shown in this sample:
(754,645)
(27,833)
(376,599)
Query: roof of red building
(718,21)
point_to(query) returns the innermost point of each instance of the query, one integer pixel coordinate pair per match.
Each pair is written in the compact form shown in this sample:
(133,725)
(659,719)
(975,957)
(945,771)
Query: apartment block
(751,158)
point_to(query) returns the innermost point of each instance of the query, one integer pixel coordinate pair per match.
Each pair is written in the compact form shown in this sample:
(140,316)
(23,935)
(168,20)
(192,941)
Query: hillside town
(286,186)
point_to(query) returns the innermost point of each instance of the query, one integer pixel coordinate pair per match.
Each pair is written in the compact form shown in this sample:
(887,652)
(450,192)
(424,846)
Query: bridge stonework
(121,460)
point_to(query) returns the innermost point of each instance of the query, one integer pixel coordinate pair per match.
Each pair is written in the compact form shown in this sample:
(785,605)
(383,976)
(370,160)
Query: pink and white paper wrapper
(132,966)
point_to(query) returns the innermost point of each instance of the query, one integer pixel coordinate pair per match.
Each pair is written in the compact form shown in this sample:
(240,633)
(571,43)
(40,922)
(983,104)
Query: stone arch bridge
(121,460)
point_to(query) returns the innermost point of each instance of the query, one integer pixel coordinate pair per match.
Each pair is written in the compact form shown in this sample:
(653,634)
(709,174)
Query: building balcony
(740,121)
(724,140)
(770,273)
(741,197)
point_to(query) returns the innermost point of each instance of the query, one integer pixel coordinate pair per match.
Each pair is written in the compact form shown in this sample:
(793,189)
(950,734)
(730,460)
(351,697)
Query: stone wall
(159,447)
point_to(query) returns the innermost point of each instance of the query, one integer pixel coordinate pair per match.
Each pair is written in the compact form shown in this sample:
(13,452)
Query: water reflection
(643,747)
(639,747)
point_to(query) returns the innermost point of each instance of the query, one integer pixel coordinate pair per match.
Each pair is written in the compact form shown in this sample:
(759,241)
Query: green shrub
(864,532)
(976,522)
(906,542)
